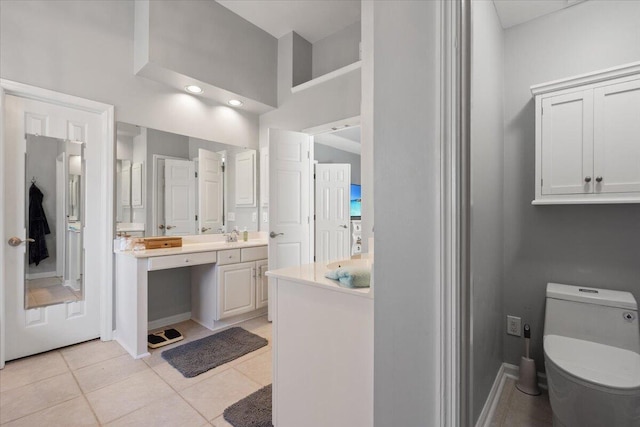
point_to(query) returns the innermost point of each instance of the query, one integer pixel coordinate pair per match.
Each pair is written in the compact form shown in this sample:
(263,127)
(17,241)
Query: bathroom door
(332,212)
(209,191)
(36,325)
(289,199)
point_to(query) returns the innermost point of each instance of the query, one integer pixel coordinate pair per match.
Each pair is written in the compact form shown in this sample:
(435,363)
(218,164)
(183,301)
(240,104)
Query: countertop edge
(324,283)
(192,248)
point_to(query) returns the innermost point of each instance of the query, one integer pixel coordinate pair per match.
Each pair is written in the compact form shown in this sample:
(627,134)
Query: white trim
(107,205)
(587,78)
(333,126)
(326,77)
(2,232)
(43,275)
(490,405)
(171,320)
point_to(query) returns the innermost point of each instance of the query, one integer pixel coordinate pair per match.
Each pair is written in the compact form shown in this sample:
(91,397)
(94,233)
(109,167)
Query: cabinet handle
(253,273)
(344,226)
(260,271)
(161,226)
(599,179)
(587,179)
(186,260)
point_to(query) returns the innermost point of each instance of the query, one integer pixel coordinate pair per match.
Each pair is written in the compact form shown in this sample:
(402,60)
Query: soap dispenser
(245,234)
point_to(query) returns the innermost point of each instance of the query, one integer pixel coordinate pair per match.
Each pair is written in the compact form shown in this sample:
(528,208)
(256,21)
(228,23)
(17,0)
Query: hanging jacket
(38,226)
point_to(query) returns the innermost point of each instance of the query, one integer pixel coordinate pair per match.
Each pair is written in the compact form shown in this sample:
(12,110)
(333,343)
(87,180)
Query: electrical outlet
(265,217)
(254,217)
(514,326)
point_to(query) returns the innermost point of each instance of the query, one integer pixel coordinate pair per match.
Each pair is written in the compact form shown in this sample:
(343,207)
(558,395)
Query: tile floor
(98,383)
(517,409)
(49,291)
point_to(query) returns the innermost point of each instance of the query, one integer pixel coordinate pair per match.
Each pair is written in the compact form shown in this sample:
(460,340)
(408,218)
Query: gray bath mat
(252,411)
(199,356)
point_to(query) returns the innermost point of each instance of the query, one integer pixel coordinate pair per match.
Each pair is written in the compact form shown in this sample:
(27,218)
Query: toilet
(592,356)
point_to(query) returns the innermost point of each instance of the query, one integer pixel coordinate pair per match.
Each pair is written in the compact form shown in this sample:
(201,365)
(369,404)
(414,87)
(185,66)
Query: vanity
(322,349)
(228,284)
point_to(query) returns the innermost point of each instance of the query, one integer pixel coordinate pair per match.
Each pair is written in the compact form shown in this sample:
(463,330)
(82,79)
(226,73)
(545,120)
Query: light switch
(254,217)
(231,216)
(265,216)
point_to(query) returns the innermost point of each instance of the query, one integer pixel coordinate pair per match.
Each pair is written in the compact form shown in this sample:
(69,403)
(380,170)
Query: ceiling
(346,139)
(312,19)
(515,12)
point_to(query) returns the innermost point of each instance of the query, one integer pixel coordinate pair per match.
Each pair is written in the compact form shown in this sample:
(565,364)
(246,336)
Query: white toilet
(592,357)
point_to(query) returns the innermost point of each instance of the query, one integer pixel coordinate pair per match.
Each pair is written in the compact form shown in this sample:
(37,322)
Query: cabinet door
(567,143)
(617,137)
(236,289)
(262,284)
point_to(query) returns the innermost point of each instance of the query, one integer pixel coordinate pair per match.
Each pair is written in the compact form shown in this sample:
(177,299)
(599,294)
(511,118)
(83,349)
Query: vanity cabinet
(236,285)
(588,138)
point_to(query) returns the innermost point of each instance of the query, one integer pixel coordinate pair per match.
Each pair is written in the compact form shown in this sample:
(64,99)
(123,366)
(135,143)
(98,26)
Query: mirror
(336,225)
(170,184)
(55,205)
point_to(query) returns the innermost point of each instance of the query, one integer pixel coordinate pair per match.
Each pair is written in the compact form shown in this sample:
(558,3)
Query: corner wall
(487,167)
(590,245)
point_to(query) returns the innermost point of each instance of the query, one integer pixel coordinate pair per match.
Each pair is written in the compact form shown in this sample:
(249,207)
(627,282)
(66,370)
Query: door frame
(106,222)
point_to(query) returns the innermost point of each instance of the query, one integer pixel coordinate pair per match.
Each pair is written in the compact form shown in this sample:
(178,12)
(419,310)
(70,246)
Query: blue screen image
(356,200)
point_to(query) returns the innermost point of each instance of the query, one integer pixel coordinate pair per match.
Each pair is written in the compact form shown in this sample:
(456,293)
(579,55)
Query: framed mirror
(169,184)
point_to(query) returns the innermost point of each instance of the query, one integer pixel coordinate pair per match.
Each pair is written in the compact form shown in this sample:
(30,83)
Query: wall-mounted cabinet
(588,138)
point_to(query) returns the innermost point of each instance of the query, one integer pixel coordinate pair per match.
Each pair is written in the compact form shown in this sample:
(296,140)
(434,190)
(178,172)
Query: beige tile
(258,368)
(212,396)
(517,419)
(19,402)
(256,323)
(167,412)
(110,371)
(90,352)
(115,400)
(175,379)
(220,422)
(31,369)
(75,412)
(534,407)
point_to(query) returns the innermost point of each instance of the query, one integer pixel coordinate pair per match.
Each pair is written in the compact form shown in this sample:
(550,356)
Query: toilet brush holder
(528,378)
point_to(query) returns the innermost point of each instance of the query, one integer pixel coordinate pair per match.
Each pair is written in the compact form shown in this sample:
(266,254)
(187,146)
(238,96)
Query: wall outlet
(254,216)
(265,217)
(514,326)
(231,216)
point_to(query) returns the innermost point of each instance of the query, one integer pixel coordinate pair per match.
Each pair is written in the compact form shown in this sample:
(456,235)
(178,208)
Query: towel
(351,277)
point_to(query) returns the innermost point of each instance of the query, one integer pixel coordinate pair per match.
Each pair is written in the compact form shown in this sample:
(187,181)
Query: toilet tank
(598,315)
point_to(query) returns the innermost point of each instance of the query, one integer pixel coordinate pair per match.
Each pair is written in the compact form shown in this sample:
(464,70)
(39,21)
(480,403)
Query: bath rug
(252,411)
(162,338)
(197,357)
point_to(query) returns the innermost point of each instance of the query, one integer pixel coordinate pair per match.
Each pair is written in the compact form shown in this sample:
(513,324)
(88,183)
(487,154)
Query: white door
(617,138)
(209,191)
(289,188)
(246,179)
(39,329)
(179,197)
(332,212)
(567,143)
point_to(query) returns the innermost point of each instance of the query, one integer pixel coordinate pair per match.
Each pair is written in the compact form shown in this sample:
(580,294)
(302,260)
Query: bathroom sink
(365,263)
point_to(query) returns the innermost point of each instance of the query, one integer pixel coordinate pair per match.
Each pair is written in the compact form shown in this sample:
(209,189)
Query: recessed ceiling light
(235,102)
(193,89)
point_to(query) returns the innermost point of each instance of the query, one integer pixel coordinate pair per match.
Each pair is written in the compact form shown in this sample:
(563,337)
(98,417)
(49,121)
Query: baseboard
(34,276)
(166,321)
(507,370)
(486,416)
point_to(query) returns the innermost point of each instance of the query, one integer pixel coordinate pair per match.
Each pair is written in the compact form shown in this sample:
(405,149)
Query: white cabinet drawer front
(230,256)
(254,254)
(186,260)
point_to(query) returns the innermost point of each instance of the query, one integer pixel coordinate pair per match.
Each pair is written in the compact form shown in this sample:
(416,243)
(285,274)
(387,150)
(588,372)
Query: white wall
(85,48)
(336,50)
(487,167)
(590,245)
(407,173)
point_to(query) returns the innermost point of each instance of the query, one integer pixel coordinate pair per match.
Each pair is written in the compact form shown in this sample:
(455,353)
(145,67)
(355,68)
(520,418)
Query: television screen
(356,201)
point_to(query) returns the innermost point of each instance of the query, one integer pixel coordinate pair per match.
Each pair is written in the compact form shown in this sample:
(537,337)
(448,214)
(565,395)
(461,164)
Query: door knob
(599,179)
(161,226)
(169,227)
(16,241)
(344,226)
(204,229)
(273,234)
(587,179)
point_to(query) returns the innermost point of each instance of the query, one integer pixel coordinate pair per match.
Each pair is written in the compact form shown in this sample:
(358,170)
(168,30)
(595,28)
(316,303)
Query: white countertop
(129,226)
(313,275)
(188,248)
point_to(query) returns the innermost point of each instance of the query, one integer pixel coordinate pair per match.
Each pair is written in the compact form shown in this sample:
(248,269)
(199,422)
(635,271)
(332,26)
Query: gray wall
(406,172)
(487,166)
(85,48)
(590,245)
(325,154)
(336,50)
(206,41)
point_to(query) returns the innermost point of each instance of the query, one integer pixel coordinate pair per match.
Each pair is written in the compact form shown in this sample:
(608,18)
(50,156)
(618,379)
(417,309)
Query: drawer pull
(186,260)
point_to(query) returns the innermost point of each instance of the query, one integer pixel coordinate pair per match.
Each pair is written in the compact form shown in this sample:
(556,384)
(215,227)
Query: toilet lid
(596,363)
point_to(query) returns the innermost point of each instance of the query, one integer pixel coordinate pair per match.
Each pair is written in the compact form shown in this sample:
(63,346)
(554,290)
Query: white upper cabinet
(588,138)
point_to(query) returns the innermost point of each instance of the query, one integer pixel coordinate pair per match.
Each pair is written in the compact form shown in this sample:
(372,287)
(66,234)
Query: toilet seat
(581,361)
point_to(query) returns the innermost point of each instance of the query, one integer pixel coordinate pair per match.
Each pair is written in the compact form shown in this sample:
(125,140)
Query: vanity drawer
(185,260)
(230,256)
(254,254)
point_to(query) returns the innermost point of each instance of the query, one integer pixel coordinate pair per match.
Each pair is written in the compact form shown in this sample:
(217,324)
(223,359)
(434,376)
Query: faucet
(233,236)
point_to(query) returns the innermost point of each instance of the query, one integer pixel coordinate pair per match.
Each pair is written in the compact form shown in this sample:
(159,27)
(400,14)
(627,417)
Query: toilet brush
(528,381)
